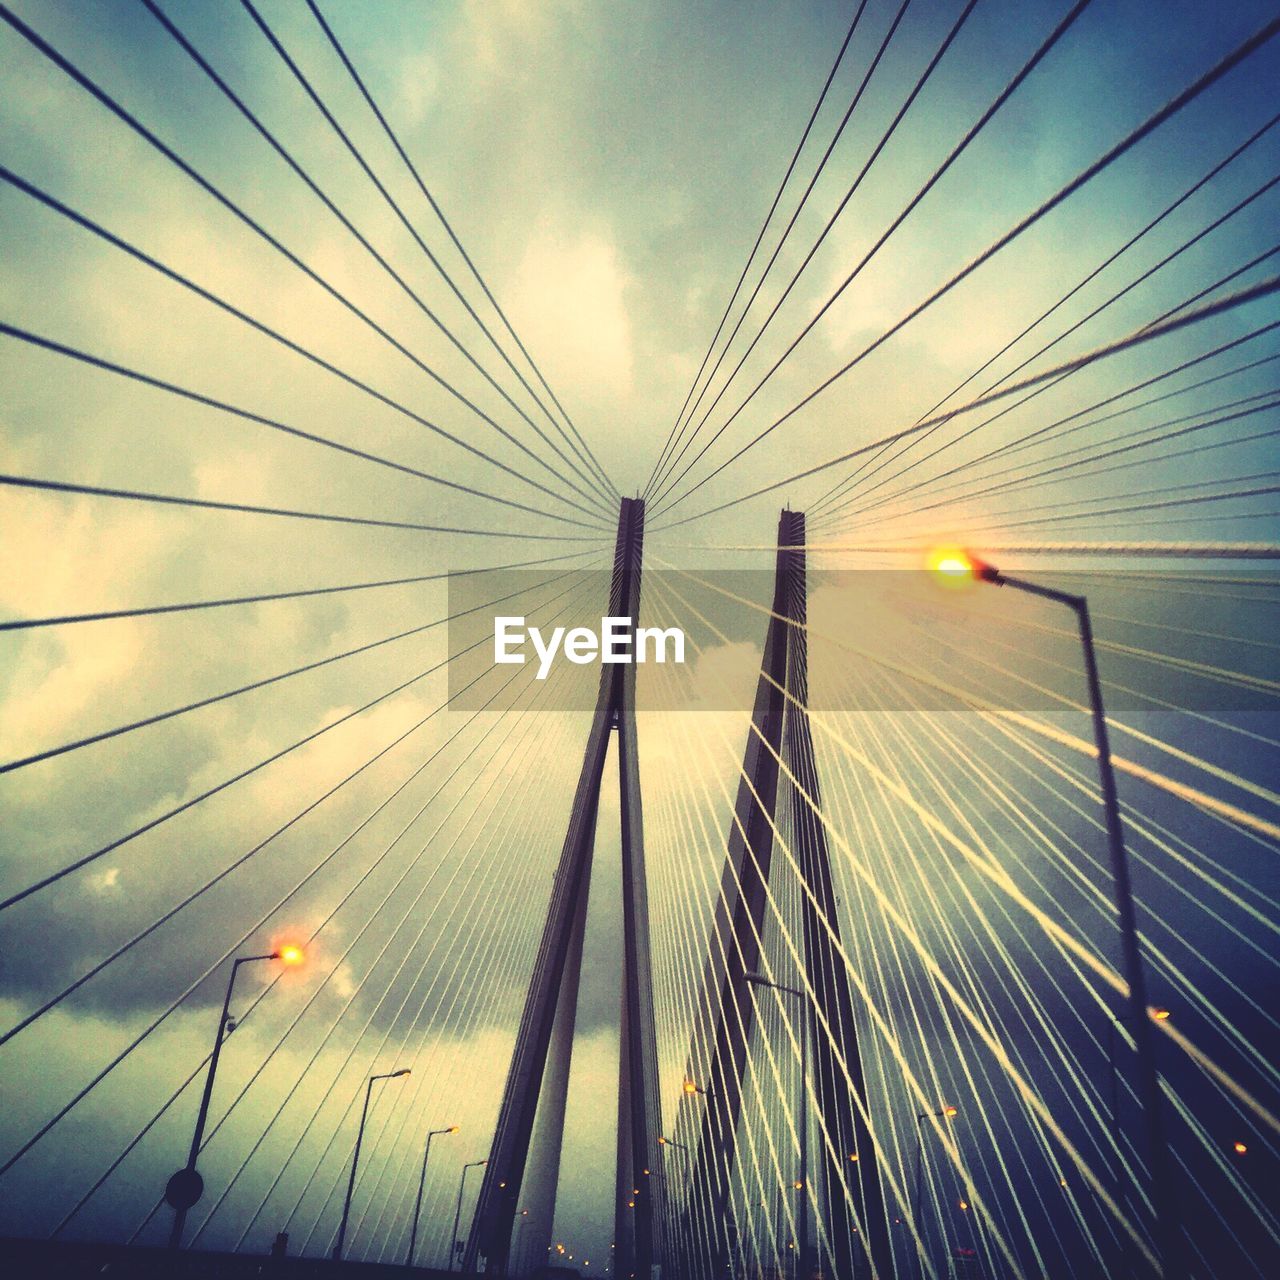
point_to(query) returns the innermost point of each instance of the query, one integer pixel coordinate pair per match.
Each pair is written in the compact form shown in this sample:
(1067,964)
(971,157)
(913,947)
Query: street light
(691,1088)
(958,565)
(680,1243)
(802,1184)
(953,565)
(945,1113)
(355,1158)
(1117,1172)
(684,1155)
(422,1181)
(457,1215)
(524,1218)
(187,1186)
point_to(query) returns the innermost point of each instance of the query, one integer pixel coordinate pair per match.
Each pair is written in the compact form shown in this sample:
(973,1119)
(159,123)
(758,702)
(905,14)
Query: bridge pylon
(779,756)
(533,1102)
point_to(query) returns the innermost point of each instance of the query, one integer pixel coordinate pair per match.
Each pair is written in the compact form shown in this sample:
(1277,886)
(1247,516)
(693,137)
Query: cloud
(58,679)
(570,301)
(106,880)
(417,87)
(610,202)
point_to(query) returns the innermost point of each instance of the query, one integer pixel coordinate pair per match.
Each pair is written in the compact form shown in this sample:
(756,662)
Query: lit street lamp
(802,1183)
(1117,1172)
(524,1218)
(422,1182)
(679,1146)
(355,1158)
(187,1186)
(947,1113)
(959,564)
(457,1215)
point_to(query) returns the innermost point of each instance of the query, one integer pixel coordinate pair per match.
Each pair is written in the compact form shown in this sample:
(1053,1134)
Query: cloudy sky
(607,167)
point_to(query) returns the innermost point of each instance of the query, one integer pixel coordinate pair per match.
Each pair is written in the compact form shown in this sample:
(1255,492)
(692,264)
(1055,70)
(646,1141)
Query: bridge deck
(59,1260)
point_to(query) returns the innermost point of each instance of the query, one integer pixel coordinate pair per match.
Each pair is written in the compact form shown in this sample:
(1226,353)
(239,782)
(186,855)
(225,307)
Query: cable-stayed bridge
(920,921)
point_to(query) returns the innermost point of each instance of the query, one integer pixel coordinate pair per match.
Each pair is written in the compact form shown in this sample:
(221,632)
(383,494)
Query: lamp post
(457,1214)
(946,1113)
(355,1158)
(524,1218)
(187,1186)
(802,1184)
(1113,1073)
(422,1182)
(684,1154)
(1167,1230)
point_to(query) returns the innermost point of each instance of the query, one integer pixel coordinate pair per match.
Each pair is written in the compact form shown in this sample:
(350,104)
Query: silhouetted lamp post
(947,1113)
(1117,1172)
(802,1184)
(187,1186)
(422,1182)
(355,1157)
(457,1213)
(515,1252)
(960,564)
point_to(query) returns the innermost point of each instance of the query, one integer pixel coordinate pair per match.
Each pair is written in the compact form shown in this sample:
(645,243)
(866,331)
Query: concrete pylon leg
(780,730)
(528,1086)
(726,1010)
(850,1172)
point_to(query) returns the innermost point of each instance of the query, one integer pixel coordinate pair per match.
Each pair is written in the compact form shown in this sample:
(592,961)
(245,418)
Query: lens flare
(951,566)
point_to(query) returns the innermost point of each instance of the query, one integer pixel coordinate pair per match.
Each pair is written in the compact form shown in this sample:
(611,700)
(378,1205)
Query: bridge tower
(780,736)
(533,1101)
